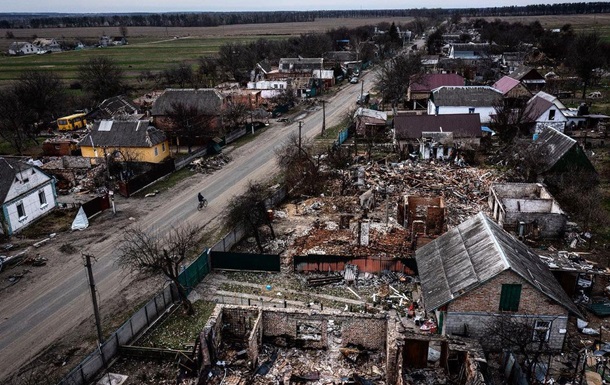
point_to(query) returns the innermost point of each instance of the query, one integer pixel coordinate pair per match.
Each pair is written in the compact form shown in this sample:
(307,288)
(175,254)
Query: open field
(599,22)
(154,48)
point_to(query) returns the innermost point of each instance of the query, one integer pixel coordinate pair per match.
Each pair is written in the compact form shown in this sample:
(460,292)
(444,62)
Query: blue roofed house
(26,194)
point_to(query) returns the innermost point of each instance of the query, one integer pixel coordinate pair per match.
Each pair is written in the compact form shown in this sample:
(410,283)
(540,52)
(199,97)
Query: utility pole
(323,116)
(96,312)
(300,125)
(361,91)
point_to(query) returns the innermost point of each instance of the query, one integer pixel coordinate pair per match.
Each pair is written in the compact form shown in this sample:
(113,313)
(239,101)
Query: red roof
(428,82)
(505,84)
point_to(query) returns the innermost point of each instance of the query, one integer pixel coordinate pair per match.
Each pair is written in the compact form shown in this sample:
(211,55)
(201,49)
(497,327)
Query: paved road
(38,316)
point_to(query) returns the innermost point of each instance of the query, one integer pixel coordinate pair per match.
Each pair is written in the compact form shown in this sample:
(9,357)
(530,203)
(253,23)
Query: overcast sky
(120,6)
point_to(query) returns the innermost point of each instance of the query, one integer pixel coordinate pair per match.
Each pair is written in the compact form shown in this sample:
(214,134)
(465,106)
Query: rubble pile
(465,189)
(347,365)
(390,242)
(74,174)
(208,165)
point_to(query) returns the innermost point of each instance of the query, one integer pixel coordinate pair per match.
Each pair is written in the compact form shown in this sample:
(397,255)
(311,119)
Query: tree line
(212,19)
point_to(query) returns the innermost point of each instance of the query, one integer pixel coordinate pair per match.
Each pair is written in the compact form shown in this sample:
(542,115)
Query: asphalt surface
(41,314)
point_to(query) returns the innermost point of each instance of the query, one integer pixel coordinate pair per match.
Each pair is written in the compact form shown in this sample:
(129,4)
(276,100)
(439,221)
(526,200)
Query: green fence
(226,260)
(195,272)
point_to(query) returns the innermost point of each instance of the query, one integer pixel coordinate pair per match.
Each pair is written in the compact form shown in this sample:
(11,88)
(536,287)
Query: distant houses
(18,48)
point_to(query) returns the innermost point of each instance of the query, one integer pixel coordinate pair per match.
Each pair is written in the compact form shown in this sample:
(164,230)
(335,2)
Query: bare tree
(508,120)
(395,77)
(15,119)
(526,336)
(152,252)
(585,56)
(235,114)
(101,78)
(190,123)
(300,165)
(42,93)
(180,74)
(250,211)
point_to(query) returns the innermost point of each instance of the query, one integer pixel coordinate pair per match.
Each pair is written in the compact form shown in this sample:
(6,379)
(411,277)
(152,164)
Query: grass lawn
(134,58)
(179,330)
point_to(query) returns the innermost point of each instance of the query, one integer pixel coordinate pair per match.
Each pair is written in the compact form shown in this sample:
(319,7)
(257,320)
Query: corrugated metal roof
(551,145)
(207,100)
(472,96)
(123,134)
(505,84)
(367,112)
(474,252)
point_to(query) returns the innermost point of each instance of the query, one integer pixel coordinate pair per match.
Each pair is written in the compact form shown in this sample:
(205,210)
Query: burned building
(527,209)
(424,217)
(289,346)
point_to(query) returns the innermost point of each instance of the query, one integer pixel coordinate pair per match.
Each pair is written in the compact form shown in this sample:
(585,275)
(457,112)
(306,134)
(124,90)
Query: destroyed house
(559,155)
(436,136)
(129,141)
(26,194)
(477,272)
(299,344)
(300,65)
(115,107)
(464,100)
(292,346)
(423,217)
(527,210)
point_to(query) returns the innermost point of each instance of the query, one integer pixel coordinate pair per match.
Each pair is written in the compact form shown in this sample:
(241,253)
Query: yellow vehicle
(72,122)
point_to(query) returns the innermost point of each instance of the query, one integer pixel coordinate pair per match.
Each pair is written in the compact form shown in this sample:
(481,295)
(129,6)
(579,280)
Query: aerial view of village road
(304,193)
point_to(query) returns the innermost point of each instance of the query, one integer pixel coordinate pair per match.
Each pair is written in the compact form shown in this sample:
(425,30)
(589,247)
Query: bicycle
(202,204)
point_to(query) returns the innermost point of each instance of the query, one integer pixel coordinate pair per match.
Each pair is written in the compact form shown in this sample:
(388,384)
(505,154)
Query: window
(163,146)
(509,299)
(542,330)
(471,110)
(21,210)
(552,115)
(42,198)
(156,151)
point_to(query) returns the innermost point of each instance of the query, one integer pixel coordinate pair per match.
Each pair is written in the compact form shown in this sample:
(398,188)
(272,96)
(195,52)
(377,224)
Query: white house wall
(31,205)
(33,178)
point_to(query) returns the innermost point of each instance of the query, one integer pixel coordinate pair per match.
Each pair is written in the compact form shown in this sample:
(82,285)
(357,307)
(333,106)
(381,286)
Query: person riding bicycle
(200,197)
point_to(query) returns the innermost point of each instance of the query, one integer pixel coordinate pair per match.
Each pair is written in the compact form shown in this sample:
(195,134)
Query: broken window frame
(541,326)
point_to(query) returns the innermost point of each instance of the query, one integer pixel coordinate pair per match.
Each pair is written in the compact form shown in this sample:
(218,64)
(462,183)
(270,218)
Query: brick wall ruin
(477,307)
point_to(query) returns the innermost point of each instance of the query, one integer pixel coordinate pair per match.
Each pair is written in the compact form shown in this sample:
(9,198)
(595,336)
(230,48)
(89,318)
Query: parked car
(594,95)
(354,80)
